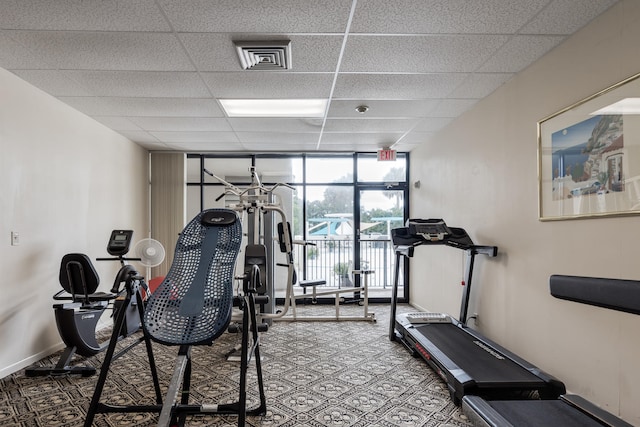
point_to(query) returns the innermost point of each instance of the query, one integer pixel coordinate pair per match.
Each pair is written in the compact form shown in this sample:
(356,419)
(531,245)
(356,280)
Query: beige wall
(66,181)
(480,173)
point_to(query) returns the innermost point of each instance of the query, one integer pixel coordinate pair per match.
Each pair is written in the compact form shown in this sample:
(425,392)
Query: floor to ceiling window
(345,205)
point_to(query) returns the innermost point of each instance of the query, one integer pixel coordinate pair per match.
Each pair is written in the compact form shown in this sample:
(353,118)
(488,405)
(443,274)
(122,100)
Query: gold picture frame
(589,156)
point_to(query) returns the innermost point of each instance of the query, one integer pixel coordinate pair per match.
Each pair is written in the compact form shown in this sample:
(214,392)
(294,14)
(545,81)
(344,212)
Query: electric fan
(150,252)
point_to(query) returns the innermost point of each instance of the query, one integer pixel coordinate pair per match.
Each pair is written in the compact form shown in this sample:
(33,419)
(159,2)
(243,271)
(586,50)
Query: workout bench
(313,284)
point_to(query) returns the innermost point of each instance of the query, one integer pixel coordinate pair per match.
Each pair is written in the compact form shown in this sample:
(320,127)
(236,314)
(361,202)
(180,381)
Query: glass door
(380,210)
(330,228)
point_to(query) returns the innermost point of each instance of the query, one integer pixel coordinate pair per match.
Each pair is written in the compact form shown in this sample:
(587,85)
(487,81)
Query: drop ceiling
(154,70)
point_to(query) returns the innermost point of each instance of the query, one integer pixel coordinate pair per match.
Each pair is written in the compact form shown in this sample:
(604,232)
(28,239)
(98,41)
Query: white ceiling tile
(187,136)
(443,16)
(105,51)
(379,139)
(274,16)
(349,145)
(519,52)
(566,16)
(154,107)
(207,146)
(383,108)
(369,125)
(117,83)
(276,124)
(141,137)
(259,84)
(278,137)
(480,85)
(182,124)
(155,69)
(419,54)
(415,138)
(282,146)
(118,123)
(397,86)
(53,82)
(405,147)
(15,56)
(452,107)
(153,146)
(432,124)
(94,15)
(216,52)
(149,84)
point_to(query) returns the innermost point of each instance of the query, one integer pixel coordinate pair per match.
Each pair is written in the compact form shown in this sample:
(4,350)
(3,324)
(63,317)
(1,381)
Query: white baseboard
(11,369)
(24,363)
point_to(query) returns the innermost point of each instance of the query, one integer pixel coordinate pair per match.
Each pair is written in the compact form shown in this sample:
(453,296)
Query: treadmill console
(429,229)
(119,242)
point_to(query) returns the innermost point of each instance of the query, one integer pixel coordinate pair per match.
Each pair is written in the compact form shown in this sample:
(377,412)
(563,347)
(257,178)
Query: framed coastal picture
(589,156)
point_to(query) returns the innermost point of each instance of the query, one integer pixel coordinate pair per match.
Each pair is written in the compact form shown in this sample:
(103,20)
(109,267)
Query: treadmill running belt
(542,413)
(479,361)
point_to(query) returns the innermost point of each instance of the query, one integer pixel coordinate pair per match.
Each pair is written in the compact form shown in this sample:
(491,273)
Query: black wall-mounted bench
(567,410)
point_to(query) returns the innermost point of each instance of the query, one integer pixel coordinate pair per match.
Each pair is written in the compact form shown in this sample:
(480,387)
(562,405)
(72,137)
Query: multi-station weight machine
(257,205)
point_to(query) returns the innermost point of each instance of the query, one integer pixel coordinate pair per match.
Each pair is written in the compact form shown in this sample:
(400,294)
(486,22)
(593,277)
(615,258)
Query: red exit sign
(386,155)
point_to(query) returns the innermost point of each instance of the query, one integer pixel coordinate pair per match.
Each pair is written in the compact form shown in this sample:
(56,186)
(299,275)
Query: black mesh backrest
(194,302)
(78,276)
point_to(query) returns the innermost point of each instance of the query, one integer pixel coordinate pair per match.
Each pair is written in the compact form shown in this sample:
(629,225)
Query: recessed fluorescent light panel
(274,107)
(624,106)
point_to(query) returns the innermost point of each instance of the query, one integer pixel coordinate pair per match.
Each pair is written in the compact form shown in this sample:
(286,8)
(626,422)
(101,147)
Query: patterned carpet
(316,374)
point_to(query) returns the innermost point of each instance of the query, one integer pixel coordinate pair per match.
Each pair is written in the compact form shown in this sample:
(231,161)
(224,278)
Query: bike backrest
(78,276)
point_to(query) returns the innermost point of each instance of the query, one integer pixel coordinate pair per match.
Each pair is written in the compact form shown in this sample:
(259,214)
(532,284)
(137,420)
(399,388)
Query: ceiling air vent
(264,55)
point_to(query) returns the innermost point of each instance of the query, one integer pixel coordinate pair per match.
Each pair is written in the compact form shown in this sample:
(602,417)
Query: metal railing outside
(332,260)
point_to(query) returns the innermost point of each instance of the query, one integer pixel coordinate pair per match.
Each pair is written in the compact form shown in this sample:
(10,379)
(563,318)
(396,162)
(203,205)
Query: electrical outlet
(15,238)
(475,319)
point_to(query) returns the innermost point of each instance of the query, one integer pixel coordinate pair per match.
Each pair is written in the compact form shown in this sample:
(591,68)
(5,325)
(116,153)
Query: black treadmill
(468,362)
(566,411)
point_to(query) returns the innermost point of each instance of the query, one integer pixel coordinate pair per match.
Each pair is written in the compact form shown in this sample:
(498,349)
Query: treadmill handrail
(404,246)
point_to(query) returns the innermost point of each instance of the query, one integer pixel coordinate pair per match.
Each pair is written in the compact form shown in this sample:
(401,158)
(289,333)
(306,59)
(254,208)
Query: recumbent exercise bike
(81,306)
